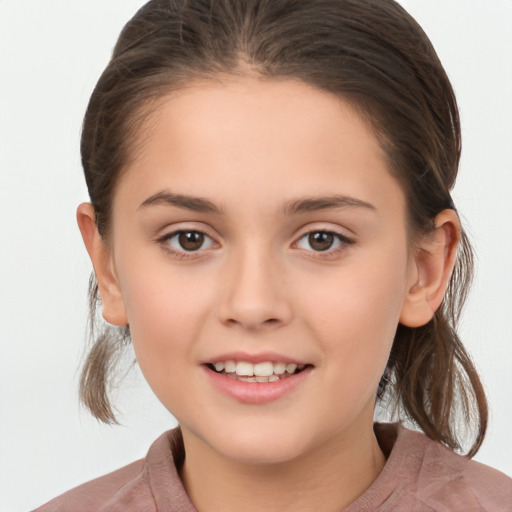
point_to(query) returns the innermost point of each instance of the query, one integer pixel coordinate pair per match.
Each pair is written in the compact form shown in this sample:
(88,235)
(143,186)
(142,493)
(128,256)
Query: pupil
(321,241)
(191,240)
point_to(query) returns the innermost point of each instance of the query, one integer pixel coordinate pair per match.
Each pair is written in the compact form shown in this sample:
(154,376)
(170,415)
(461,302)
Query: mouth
(264,372)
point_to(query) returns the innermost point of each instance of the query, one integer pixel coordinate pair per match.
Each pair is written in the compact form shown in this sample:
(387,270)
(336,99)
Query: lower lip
(257,392)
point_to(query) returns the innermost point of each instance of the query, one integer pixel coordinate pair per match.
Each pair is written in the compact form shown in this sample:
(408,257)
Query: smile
(259,382)
(263,372)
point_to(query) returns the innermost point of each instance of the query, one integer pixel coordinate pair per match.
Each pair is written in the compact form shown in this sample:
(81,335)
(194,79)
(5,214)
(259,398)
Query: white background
(51,54)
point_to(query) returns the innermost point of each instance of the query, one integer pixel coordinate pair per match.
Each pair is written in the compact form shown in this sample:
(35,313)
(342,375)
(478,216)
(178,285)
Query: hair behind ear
(432,377)
(103,357)
(431,372)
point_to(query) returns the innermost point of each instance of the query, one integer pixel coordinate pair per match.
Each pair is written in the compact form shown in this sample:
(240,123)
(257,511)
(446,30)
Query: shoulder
(446,481)
(98,493)
(132,488)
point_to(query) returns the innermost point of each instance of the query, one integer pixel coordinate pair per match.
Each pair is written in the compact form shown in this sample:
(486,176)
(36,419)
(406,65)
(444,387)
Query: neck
(326,479)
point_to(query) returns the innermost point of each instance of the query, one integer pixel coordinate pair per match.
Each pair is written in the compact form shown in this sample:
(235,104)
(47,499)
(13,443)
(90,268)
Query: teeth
(230,366)
(244,369)
(259,372)
(263,369)
(290,368)
(279,368)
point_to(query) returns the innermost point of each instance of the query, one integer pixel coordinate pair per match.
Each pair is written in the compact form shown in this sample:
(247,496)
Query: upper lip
(260,357)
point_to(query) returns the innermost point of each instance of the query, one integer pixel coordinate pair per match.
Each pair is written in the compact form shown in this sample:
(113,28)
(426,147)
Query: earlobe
(430,271)
(101,257)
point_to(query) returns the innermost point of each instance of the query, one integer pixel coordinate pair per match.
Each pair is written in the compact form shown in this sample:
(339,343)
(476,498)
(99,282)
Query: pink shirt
(420,475)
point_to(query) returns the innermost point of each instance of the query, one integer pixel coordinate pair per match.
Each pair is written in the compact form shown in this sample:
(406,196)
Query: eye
(323,241)
(186,241)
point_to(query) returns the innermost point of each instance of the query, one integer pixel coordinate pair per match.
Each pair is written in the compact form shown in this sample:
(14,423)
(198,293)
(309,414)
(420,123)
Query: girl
(271,227)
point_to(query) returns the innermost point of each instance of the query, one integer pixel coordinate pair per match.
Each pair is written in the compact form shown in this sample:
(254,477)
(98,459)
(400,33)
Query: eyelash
(343,240)
(180,255)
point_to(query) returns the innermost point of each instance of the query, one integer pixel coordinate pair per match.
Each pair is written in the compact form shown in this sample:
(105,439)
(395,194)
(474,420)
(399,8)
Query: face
(259,230)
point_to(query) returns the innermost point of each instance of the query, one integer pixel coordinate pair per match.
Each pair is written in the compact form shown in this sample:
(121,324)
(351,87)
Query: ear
(430,270)
(101,256)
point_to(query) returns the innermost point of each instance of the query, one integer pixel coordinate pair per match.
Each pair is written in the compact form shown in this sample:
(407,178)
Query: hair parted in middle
(372,54)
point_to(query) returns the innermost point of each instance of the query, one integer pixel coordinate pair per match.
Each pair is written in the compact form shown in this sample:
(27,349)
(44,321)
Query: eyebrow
(313,204)
(293,207)
(195,204)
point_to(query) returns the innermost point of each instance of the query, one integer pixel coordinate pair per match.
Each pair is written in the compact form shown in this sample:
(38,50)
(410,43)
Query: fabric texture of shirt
(420,475)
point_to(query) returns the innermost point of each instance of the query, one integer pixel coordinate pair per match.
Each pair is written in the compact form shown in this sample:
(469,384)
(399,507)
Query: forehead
(252,138)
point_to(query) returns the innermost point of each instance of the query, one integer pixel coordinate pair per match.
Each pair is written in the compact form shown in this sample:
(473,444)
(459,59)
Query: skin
(257,284)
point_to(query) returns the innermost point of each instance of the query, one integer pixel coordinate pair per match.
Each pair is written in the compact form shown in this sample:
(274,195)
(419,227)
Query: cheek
(357,313)
(165,312)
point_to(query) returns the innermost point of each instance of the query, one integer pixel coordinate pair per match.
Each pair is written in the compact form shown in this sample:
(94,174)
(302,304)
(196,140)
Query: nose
(255,293)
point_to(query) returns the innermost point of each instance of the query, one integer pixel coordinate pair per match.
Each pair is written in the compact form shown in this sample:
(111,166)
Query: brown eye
(190,240)
(321,240)
(328,242)
(186,241)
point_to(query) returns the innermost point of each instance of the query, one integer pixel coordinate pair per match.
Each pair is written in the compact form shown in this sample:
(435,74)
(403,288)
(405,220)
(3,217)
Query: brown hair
(370,52)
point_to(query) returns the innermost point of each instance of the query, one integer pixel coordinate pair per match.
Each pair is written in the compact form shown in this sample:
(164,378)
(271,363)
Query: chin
(268,451)
(260,445)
